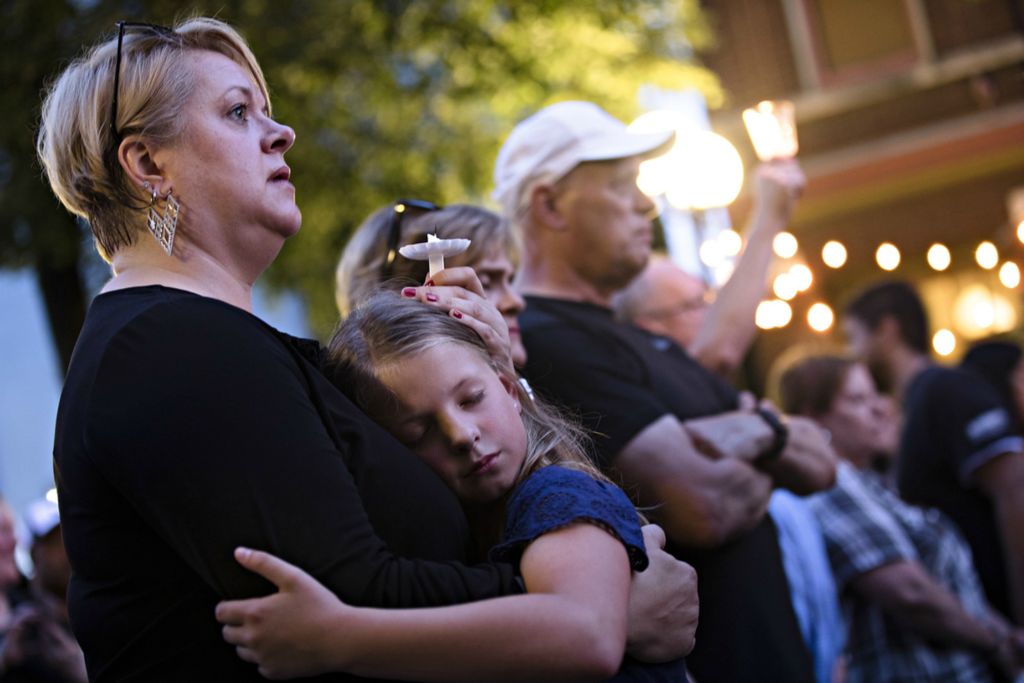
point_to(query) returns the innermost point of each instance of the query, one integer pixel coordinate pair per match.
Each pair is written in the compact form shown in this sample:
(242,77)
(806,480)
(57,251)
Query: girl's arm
(571,625)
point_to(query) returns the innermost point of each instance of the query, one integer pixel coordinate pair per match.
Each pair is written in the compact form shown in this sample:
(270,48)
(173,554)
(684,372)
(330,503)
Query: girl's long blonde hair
(386,328)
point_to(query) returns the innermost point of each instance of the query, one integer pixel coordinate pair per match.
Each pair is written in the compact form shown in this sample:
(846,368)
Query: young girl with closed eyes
(531,494)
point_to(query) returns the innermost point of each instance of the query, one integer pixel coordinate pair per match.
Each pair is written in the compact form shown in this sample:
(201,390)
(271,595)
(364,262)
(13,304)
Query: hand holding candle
(433,251)
(772,129)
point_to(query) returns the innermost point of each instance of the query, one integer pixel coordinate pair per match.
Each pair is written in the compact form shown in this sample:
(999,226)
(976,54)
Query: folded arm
(700,501)
(807,463)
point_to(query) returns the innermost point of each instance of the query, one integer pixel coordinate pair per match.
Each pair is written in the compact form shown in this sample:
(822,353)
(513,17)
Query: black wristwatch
(781,432)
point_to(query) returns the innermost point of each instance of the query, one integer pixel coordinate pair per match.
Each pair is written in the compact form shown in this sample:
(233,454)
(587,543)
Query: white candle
(433,251)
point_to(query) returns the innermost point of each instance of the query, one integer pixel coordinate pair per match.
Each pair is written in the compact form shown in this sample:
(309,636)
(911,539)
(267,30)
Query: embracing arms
(571,626)
(701,501)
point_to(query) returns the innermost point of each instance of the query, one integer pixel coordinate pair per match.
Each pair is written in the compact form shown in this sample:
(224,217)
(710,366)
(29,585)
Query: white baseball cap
(41,517)
(552,142)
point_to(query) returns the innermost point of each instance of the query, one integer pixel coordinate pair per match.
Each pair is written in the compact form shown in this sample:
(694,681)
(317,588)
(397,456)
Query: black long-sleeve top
(188,427)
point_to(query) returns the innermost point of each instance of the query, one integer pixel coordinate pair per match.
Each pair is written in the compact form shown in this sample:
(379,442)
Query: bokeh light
(1009,274)
(785,245)
(773,314)
(820,317)
(833,254)
(783,287)
(986,255)
(887,256)
(731,242)
(944,342)
(711,253)
(939,257)
(801,277)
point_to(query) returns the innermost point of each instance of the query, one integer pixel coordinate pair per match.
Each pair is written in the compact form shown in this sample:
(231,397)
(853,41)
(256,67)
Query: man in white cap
(670,429)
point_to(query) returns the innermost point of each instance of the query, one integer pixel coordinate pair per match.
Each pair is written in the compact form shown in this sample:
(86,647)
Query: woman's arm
(572,625)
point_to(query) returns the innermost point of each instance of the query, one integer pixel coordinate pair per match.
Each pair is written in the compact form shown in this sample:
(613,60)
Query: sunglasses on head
(122,26)
(398,212)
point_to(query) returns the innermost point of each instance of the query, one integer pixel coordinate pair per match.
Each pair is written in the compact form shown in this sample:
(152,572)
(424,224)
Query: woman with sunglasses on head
(188,426)
(370,261)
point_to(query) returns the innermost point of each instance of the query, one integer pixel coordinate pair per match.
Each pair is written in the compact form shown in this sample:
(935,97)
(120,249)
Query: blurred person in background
(998,361)
(40,647)
(916,608)
(717,331)
(961,448)
(13,585)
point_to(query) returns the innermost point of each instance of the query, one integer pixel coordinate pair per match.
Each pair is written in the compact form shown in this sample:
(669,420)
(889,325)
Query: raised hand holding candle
(433,251)
(772,129)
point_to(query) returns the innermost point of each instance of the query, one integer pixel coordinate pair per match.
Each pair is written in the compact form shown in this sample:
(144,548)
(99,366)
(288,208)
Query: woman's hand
(663,604)
(458,291)
(284,633)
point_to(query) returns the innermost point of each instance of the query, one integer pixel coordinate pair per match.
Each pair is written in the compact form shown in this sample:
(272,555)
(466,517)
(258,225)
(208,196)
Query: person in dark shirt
(999,362)
(187,426)
(532,495)
(567,178)
(961,450)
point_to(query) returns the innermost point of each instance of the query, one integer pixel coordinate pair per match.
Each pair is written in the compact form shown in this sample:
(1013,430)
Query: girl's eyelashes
(473,399)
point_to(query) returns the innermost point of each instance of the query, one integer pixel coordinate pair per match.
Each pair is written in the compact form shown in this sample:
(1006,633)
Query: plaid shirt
(867,526)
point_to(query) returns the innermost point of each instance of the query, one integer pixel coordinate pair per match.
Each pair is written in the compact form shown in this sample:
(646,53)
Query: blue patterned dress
(555,497)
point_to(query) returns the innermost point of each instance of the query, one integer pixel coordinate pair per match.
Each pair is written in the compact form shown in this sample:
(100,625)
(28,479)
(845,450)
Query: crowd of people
(530,465)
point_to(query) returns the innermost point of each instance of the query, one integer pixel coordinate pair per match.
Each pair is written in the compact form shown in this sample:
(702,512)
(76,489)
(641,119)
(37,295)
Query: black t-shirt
(955,422)
(188,427)
(619,379)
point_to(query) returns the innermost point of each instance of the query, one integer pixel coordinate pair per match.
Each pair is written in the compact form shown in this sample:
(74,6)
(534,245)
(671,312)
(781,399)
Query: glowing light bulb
(986,255)
(772,314)
(801,277)
(887,256)
(784,287)
(1009,274)
(730,242)
(944,342)
(785,245)
(820,317)
(939,257)
(833,254)
(711,253)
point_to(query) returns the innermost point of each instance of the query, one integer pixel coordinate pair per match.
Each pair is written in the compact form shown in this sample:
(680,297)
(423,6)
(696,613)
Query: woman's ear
(137,159)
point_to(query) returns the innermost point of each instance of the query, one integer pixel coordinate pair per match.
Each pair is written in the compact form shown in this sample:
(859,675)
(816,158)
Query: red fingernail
(457,314)
(431,297)
(409,291)
(430,283)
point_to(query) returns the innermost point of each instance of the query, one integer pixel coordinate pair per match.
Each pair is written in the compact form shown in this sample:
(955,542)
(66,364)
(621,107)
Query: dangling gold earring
(163,224)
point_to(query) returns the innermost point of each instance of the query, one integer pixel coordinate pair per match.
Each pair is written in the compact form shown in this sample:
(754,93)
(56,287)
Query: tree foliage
(388,98)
